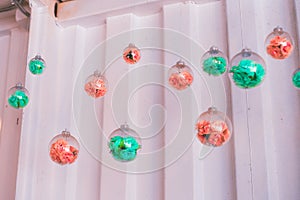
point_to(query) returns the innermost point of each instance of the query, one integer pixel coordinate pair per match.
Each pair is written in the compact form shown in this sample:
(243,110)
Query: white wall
(260,162)
(13,52)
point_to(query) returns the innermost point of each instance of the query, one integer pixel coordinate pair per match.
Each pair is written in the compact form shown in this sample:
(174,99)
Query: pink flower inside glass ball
(279,44)
(64,148)
(180,76)
(213,127)
(131,54)
(96,85)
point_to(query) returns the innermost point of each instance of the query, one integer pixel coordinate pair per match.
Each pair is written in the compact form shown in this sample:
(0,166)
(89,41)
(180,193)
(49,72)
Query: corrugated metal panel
(260,162)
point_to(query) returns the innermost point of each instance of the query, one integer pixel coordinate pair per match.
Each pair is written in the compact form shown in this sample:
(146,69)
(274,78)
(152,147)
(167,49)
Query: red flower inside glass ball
(180,76)
(279,44)
(96,85)
(131,54)
(64,148)
(213,128)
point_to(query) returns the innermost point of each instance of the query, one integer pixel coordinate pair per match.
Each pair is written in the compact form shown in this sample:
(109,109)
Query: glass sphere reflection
(64,148)
(131,54)
(213,128)
(96,85)
(279,44)
(124,144)
(37,65)
(247,69)
(18,96)
(214,62)
(180,76)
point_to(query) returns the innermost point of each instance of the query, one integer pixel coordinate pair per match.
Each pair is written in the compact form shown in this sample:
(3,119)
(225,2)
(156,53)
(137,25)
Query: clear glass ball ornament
(247,69)
(96,85)
(213,128)
(214,62)
(180,76)
(131,54)
(64,148)
(37,65)
(124,144)
(18,96)
(296,78)
(279,44)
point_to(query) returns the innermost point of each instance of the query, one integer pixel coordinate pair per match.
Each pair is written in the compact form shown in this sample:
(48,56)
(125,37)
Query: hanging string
(36,63)
(250,146)
(42,39)
(132,27)
(247,105)
(242,24)
(20,77)
(297,39)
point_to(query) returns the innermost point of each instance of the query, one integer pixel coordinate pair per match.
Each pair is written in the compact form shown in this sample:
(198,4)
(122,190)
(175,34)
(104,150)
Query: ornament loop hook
(214,50)
(246,52)
(278,29)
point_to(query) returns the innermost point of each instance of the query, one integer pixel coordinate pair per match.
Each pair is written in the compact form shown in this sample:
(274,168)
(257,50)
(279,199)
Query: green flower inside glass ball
(18,97)
(214,66)
(296,78)
(124,144)
(37,65)
(247,69)
(214,62)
